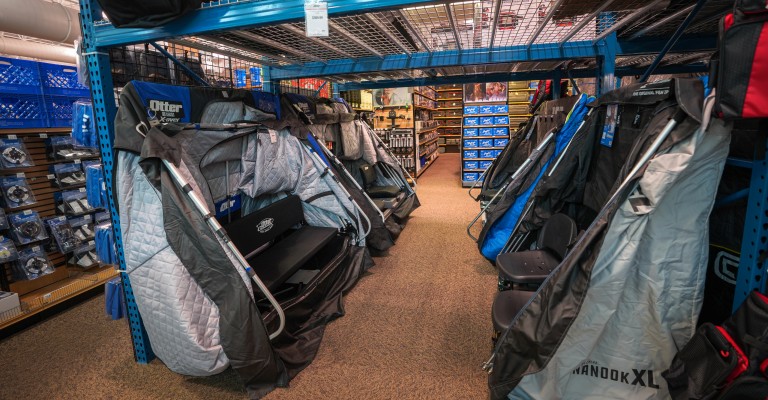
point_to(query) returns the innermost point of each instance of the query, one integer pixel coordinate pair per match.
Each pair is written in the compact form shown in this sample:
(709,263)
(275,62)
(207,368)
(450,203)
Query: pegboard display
(34,190)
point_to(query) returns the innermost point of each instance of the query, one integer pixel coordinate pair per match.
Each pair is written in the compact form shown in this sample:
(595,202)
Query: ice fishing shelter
(364,163)
(612,315)
(554,132)
(300,236)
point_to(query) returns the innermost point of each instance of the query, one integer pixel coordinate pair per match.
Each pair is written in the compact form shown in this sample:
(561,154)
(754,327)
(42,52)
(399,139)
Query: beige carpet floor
(417,327)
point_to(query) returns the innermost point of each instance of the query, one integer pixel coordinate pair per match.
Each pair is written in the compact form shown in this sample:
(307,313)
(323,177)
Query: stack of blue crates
(37,95)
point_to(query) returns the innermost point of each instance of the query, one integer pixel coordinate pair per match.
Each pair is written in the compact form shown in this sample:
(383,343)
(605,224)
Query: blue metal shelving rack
(367,50)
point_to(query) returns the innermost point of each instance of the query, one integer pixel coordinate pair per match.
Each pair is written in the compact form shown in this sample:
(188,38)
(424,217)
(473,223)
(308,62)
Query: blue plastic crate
(497,153)
(471,176)
(61,80)
(486,131)
(471,110)
(486,142)
(22,111)
(486,110)
(471,164)
(19,77)
(500,142)
(470,132)
(503,131)
(471,121)
(501,109)
(501,120)
(470,153)
(485,164)
(487,154)
(470,143)
(58,110)
(486,120)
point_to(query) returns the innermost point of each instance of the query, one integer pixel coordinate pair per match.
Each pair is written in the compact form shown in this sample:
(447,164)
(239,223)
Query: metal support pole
(606,65)
(753,273)
(557,75)
(104,111)
(673,39)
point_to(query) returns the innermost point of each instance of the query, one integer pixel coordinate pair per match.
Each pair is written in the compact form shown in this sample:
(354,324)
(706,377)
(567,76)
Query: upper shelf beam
(238,16)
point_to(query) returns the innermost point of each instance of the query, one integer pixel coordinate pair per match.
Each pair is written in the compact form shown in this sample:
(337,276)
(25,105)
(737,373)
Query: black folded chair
(526,270)
(276,241)
(505,307)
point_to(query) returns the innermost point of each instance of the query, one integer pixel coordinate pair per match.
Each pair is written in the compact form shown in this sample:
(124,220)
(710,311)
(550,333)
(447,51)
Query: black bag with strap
(742,69)
(729,361)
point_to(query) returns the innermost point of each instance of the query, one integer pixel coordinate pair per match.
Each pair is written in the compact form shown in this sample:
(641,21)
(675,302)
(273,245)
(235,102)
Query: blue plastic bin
(22,111)
(470,143)
(486,143)
(471,165)
(471,121)
(471,176)
(470,132)
(471,110)
(500,142)
(19,77)
(486,131)
(501,109)
(470,154)
(61,80)
(503,131)
(501,120)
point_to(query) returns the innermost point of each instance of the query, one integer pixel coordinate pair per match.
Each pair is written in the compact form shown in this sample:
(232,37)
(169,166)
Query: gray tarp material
(610,318)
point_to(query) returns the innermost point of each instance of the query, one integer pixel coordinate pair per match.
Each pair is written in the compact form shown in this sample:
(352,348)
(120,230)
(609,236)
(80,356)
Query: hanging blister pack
(62,148)
(16,191)
(62,233)
(94,185)
(13,153)
(32,263)
(68,175)
(83,129)
(3,220)
(7,250)
(73,202)
(84,256)
(27,227)
(105,243)
(82,227)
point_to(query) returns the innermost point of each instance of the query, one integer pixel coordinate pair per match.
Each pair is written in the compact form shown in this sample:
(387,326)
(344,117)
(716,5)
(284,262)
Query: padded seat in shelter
(505,307)
(373,190)
(276,241)
(530,268)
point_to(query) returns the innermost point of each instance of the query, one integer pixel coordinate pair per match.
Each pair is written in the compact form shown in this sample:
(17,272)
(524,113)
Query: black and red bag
(725,362)
(742,70)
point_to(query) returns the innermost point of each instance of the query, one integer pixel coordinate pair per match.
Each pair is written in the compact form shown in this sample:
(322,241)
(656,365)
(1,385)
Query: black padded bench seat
(276,263)
(505,307)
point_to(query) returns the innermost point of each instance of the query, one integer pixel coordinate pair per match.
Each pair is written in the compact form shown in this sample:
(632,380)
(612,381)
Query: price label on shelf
(316,18)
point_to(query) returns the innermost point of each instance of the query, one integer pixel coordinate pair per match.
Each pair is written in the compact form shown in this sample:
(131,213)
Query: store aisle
(417,327)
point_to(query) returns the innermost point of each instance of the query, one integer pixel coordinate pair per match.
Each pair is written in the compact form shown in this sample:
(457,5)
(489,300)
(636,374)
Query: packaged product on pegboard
(14,154)
(7,250)
(27,227)
(16,191)
(32,264)
(62,232)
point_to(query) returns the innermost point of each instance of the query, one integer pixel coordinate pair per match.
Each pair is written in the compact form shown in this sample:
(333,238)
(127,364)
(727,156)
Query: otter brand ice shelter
(363,161)
(504,214)
(299,233)
(627,295)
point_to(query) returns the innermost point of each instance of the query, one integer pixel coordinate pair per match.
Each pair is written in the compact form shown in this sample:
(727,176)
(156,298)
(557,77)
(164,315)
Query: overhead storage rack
(399,43)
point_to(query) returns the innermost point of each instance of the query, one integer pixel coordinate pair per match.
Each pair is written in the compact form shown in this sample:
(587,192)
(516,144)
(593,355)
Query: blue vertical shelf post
(753,266)
(104,111)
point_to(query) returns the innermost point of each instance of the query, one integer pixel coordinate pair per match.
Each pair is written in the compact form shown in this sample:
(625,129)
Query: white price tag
(316,18)
(272,136)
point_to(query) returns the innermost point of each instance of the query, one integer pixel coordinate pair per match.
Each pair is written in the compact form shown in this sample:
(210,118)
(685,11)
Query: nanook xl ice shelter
(611,316)
(256,294)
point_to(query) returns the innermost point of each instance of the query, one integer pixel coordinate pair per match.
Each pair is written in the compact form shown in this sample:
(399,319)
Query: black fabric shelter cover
(146,13)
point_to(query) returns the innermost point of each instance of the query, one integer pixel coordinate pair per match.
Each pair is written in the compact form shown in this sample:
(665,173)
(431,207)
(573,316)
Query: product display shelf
(411,130)
(520,98)
(65,282)
(485,133)
(448,114)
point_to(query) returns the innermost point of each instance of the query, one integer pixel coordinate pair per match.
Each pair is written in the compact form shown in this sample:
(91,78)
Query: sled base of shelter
(280,247)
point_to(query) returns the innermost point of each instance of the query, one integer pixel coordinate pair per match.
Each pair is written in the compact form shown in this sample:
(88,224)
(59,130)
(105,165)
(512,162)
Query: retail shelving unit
(410,130)
(448,116)
(519,100)
(485,133)
(410,43)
